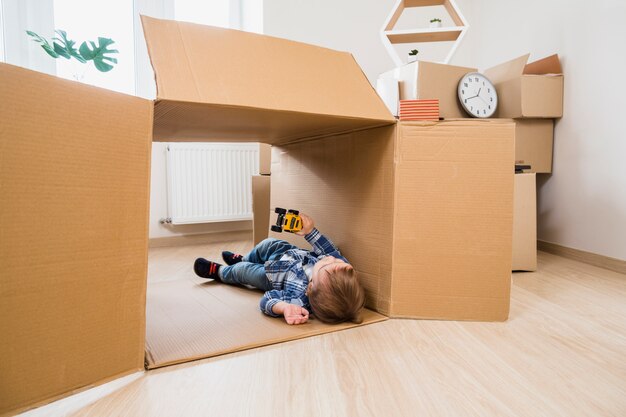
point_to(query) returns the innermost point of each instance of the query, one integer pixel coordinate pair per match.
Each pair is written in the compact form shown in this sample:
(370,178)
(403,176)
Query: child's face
(323,267)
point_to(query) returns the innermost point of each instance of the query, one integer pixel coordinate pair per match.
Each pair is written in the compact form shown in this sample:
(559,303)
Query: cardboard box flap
(235,69)
(548,65)
(507,70)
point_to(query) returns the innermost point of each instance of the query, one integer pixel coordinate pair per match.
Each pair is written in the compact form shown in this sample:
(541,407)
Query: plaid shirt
(287,274)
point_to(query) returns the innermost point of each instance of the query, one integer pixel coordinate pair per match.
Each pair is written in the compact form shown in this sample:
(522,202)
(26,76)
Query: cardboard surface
(424,213)
(75,175)
(453,220)
(429,80)
(533,144)
(525,223)
(346,184)
(265,159)
(528,90)
(260,207)
(249,86)
(194,318)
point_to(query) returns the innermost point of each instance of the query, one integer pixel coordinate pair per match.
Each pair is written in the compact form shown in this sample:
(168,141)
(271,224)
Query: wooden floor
(562,353)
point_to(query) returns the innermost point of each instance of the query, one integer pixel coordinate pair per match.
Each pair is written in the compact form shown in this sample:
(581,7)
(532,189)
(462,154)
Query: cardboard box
(525,223)
(532,90)
(528,90)
(265,159)
(293,91)
(428,80)
(75,180)
(423,210)
(260,207)
(533,144)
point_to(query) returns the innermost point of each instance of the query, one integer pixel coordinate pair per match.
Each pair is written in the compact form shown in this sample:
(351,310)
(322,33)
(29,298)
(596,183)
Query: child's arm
(320,243)
(273,304)
(292,313)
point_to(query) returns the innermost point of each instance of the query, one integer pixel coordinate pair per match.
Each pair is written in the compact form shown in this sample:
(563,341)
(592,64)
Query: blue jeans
(251,270)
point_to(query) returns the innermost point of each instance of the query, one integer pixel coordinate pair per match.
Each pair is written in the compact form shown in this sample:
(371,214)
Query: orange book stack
(419,109)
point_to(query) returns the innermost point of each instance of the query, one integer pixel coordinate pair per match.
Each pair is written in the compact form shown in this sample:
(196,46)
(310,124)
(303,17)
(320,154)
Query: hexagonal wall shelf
(454,33)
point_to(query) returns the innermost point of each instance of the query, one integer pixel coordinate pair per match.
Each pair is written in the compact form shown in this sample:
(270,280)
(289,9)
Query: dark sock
(207,269)
(231,258)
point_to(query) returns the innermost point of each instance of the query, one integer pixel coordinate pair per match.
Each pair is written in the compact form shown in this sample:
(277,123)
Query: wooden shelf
(424,35)
(455,34)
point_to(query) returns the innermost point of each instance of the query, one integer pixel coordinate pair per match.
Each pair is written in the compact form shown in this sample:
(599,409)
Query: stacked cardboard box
(424,210)
(531,94)
(261,195)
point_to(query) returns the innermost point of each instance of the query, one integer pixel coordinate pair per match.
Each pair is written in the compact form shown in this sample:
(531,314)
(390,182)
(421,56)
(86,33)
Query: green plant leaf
(66,47)
(44,44)
(98,53)
(61,51)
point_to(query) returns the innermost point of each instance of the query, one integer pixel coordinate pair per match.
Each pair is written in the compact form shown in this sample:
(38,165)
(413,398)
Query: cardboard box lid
(529,90)
(215,83)
(518,67)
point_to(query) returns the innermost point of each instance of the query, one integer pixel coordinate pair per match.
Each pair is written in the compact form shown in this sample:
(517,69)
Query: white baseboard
(199,239)
(602,261)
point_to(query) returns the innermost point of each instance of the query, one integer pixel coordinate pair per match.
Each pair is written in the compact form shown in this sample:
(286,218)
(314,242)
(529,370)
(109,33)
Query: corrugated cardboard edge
(144,289)
(267,343)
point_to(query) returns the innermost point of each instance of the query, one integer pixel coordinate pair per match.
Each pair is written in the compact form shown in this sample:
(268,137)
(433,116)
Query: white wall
(250,19)
(583,203)
(354,26)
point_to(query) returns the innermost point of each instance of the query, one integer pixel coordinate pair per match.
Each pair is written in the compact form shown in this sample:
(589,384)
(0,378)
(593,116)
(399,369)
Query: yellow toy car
(288,221)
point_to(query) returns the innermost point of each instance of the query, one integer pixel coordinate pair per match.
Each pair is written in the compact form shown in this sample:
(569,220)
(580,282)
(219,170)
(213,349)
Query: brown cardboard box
(525,223)
(292,91)
(528,90)
(533,144)
(265,159)
(423,210)
(75,175)
(429,80)
(260,207)
(427,226)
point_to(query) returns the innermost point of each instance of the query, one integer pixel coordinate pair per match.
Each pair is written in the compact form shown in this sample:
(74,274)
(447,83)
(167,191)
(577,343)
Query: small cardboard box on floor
(428,228)
(525,223)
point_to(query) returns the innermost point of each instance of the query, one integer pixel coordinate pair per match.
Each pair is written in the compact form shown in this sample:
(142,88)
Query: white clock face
(477,95)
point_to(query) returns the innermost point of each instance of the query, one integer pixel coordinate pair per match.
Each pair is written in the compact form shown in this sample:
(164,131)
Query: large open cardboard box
(423,210)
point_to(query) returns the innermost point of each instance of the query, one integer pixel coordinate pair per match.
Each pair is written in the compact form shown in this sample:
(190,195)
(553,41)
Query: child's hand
(307,225)
(295,314)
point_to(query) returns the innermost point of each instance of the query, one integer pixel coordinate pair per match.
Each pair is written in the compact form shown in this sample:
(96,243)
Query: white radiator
(210,182)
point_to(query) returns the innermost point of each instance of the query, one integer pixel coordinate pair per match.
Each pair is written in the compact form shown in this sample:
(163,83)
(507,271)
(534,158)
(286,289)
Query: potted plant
(435,22)
(413,55)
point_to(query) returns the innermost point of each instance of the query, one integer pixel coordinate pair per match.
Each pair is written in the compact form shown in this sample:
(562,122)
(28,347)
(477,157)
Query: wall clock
(477,95)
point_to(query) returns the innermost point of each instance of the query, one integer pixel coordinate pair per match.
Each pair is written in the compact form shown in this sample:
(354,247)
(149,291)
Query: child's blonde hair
(341,297)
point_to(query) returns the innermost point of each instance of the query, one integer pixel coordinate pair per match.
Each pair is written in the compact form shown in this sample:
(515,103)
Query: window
(213,13)
(88,21)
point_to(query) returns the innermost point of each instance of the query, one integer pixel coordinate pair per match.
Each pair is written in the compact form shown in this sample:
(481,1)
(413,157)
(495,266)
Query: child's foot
(207,269)
(231,258)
